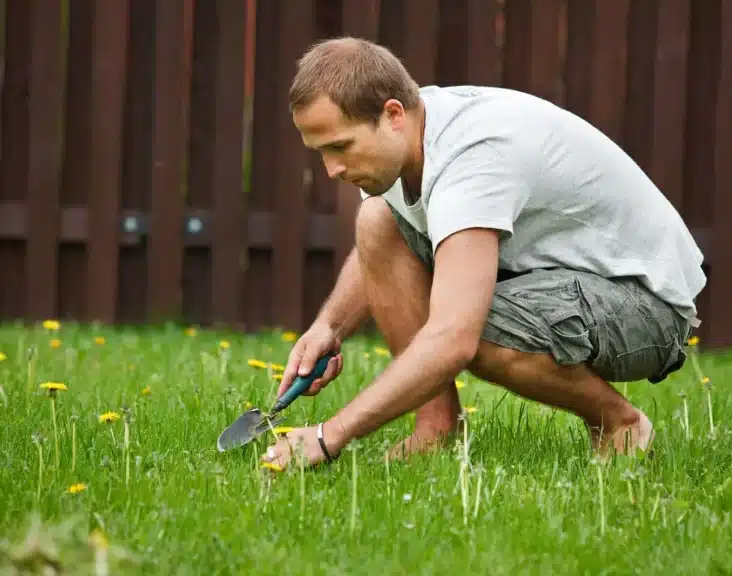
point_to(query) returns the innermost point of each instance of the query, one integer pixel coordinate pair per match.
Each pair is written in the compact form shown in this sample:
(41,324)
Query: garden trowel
(253,423)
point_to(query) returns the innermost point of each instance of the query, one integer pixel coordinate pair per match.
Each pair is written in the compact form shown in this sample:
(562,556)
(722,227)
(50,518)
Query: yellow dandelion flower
(470,409)
(51,325)
(247,405)
(3,357)
(289,336)
(109,417)
(705,380)
(459,384)
(272,466)
(55,343)
(282,429)
(382,351)
(256,363)
(277,377)
(191,331)
(146,391)
(694,340)
(99,340)
(224,344)
(76,488)
(54,386)
(278,367)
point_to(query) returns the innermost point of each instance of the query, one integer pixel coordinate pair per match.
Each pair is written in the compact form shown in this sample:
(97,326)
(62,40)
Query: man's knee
(375,227)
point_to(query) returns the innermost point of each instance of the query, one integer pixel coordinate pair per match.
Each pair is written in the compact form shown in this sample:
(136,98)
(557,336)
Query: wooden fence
(142,182)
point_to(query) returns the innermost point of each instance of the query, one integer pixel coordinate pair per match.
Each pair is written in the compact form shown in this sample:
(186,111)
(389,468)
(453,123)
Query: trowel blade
(244,429)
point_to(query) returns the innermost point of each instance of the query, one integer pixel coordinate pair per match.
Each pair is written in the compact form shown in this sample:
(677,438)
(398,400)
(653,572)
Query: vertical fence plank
(73,285)
(108,54)
(720,286)
(229,145)
(656,104)
(217,163)
(288,180)
(14,161)
(30,171)
(16,65)
(360,19)
(468,49)
(137,159)
(169,87)
(258,288)
(700,121)
(409,28)
(596,62)
(45,92)
(531,52)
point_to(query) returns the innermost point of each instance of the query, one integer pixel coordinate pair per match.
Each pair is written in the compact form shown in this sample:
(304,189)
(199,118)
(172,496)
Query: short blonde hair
(359,76)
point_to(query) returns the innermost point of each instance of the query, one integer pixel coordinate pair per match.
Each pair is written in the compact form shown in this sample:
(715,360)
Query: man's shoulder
(458,117)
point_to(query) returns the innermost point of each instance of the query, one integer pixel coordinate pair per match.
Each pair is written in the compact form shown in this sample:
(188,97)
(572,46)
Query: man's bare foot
(636,434)
(420,442)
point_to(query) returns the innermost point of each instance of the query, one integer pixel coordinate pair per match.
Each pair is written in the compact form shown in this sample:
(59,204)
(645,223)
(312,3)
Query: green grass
(528,500)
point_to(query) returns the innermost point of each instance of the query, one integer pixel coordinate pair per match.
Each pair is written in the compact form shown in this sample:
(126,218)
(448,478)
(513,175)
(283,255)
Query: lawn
(154,496)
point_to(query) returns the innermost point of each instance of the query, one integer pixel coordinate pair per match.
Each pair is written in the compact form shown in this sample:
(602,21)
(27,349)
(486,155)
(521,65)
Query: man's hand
(304,441)
(316,342)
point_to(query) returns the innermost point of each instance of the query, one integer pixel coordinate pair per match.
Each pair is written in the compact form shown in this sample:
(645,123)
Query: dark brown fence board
(14,161)
(108,54)
(702,77)
(596,63)
(37,144)
(137,157)
(12,287)
(720,288)
(44,158)
(409,28)
(360,19)
(165,243)
(268,83)
(73,287)
(77,117)
(656,107)
(468,50)
(3,34)
(531,51)
(287,182)
(228,145)
(256,290)
(319,279)
(639,121)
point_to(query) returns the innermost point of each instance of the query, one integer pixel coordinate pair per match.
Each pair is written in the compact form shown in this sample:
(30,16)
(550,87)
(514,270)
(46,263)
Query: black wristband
(323,447)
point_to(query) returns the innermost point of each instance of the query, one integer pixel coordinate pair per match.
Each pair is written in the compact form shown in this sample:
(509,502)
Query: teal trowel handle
(302,383)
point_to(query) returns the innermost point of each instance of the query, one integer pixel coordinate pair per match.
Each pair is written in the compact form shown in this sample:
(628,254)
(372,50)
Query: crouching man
(499,234)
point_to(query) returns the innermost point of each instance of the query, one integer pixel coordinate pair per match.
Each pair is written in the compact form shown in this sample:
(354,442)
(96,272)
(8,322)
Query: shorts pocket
(567,318)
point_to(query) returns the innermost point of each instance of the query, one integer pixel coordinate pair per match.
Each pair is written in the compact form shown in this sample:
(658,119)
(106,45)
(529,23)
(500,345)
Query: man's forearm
(346,307)
(410,380)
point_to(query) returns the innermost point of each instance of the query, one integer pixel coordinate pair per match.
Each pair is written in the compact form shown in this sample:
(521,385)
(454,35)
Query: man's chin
(375,190)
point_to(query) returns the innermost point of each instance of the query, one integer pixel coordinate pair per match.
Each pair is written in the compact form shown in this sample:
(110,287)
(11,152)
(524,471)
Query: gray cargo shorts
(622,331)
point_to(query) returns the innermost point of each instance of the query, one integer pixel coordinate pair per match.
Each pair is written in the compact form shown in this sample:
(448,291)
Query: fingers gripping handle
(302,383)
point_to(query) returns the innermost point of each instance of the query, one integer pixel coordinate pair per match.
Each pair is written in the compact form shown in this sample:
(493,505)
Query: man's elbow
(465,348)
(459,346)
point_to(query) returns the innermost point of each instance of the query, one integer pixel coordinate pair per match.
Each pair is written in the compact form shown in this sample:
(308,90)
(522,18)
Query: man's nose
(334,168)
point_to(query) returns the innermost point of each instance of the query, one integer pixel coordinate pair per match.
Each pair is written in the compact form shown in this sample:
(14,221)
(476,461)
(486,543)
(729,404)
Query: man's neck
(412,173)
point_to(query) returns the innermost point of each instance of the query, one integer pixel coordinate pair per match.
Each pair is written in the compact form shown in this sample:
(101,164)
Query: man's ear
(395,113)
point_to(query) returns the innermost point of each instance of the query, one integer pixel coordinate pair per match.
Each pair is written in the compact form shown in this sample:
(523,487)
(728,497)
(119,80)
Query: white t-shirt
(562,193)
